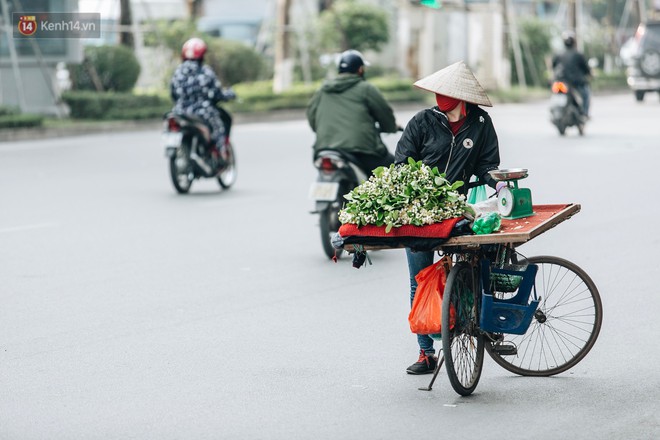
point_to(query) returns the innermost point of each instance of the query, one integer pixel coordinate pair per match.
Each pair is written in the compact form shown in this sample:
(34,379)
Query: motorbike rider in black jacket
(572,68)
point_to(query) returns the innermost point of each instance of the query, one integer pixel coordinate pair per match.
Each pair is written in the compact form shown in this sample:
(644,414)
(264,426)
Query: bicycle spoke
(567,322)
(463,346)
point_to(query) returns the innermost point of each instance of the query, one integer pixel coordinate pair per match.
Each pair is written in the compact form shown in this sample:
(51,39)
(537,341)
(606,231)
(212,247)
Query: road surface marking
(27,227)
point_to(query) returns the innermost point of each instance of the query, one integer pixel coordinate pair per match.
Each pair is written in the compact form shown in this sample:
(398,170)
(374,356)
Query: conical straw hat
(455,81)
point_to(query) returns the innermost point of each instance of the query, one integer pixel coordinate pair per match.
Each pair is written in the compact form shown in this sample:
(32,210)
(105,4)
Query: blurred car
(643,60)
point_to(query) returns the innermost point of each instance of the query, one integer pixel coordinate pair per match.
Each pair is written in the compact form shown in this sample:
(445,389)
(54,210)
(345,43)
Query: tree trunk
(126,21)
(283,77)
(325,4)
(194,9)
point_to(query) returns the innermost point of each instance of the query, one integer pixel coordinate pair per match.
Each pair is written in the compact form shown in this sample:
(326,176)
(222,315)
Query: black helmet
(351,61)
(569,39)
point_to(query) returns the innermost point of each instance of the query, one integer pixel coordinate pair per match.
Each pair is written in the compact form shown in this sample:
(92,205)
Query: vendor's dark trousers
(416,262)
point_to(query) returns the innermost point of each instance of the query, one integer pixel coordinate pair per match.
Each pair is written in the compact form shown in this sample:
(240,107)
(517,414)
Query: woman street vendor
(458,137)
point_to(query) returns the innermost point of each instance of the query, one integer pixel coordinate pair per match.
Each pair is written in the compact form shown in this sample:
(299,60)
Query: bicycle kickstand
(435,374)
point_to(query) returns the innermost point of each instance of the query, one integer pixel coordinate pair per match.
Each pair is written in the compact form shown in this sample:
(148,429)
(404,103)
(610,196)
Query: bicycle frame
(555,332)
(564,325)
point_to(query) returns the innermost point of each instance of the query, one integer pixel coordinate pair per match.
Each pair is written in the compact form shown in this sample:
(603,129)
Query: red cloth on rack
(435,230)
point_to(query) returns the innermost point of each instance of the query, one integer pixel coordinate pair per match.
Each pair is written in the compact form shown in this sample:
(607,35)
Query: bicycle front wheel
(462,341)
(565,325)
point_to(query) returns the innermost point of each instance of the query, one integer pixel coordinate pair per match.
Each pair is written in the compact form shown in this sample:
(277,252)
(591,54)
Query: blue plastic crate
(512,314)
(501,316)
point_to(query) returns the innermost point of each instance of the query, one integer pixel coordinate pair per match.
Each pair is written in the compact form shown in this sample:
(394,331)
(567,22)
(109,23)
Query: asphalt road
(130,312)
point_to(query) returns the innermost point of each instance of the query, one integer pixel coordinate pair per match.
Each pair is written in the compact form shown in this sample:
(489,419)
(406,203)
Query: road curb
(24,134)
(85,128)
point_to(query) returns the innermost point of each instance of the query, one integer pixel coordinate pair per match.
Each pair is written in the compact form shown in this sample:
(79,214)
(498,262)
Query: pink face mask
(445,103)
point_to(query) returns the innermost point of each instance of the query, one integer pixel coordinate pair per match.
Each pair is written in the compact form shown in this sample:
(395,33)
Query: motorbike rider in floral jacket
(348,114)
(195,89)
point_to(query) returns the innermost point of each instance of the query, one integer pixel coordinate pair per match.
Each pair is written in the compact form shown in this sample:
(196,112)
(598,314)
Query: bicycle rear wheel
(462,341)
(565,325)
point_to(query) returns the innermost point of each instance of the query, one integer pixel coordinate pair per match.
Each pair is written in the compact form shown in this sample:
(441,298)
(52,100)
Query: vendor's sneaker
(424,365)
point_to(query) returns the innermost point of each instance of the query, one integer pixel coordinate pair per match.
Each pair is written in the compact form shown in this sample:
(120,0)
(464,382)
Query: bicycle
(536,316)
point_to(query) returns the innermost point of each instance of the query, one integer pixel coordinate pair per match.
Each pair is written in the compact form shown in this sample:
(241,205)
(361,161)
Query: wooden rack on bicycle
(514,232)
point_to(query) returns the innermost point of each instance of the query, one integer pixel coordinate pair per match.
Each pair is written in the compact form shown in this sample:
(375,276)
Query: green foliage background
(350,24)
(110,105)
(117,69)
(535,36)
(232,61)
(11,117)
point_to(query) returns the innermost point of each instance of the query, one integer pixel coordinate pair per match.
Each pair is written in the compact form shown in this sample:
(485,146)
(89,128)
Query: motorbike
(188,145)
(565,108)
(337,175)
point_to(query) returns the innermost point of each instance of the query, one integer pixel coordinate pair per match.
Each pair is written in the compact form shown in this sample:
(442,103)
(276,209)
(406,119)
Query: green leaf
(423,193)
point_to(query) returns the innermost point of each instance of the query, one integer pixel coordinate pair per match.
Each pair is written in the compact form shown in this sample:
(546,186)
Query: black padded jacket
(572,67)
(474,150)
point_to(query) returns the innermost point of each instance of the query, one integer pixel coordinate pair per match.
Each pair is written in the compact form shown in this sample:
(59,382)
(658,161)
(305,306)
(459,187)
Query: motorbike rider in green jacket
(348,114)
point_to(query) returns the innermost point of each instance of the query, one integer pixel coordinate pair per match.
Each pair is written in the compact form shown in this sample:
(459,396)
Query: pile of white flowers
(406,194)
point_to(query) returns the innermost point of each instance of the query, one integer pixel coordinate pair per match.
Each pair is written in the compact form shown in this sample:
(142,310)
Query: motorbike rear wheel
(180,171)
(227,175)
(328,219)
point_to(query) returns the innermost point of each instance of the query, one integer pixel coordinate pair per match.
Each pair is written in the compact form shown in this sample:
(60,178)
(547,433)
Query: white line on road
(27,227)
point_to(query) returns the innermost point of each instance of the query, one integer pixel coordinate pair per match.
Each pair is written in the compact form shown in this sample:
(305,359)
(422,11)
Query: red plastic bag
(425,316)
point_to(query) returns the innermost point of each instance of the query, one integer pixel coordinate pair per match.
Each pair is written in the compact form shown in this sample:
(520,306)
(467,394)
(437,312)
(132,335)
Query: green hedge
(109,105)
(21,121)
(116,69)
(253,97)
(4,111)
(259,96)
(10,117)
(612,81)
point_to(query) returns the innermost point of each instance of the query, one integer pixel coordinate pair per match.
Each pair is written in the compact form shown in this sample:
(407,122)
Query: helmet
(569,39)
(351,61)
(193,49)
